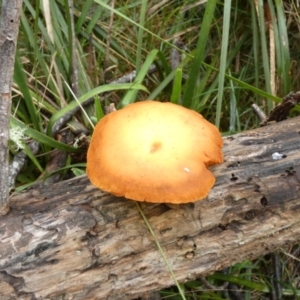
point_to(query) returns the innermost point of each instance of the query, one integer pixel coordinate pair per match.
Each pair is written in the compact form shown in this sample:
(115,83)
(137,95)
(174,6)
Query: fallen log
(74,241)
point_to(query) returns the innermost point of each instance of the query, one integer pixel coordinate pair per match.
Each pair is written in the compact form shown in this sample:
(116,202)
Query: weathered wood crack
(73,241)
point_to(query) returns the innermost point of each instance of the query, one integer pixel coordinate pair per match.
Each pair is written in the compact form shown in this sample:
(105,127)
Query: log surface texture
(73,241)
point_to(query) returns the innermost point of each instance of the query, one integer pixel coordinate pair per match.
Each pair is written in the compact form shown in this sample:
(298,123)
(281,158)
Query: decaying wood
(73,241)
(9,28)
(282,110)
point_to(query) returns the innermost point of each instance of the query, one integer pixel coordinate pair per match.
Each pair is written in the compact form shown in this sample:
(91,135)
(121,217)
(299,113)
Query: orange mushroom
(155,152)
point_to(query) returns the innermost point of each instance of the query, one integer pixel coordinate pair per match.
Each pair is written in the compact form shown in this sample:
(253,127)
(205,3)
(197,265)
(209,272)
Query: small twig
(280,111)
(235,292)
(92,70)
(57,160)
(74,52)
(19,161)
(259,113)
(110,108)
(50,31)
(9,27)
(61,122)
(213,287)
(131,76)
(293,256)
(176,55)
(272,48)
(277,274)
(150,296)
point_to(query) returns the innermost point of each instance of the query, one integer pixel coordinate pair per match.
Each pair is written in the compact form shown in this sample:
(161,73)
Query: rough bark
(73,241)
(9,26)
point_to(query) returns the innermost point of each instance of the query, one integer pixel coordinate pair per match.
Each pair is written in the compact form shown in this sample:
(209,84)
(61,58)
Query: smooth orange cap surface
(155,152)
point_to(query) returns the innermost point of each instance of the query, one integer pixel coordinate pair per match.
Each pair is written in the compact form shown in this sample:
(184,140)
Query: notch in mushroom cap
(155,152)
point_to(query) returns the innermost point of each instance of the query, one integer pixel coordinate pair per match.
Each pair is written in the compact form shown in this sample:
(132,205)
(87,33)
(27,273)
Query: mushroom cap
(155,152)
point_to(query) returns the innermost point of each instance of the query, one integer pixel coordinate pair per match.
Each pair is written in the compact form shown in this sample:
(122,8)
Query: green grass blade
(130,96)
(161,251)
(117,12)
(255,39)
(39,54)
(159,89)
(20,79)
(264,50)
(284,61)
(98,108)
(83,17)
(168,79)
(90,94)
(42,138)
(32,157)
(164,61)
(223,63)
(140,35)
(36,27)
(242,282)
(70,43)
(176,92)
(74,166)
(233,109)
(66,168)
(92,25)
(247,86)
(188,95)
